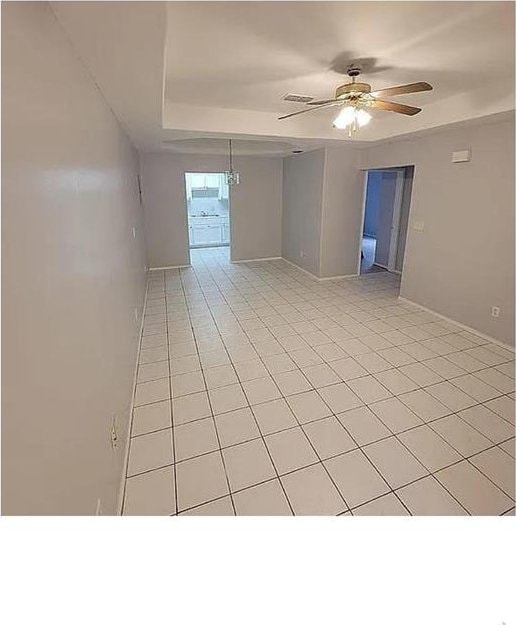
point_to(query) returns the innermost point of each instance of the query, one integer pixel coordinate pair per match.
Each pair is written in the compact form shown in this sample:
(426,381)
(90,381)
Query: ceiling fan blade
(394,107)
(321,106)
(318,102)
(402,89)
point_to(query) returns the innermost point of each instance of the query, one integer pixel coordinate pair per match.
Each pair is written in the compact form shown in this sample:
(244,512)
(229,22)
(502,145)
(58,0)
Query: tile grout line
(125,466)
(256,422)
(298,368)
(212,416)
(170,392)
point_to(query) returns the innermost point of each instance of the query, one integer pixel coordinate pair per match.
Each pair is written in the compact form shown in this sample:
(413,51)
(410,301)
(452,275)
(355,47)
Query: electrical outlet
(98,510)
(136,314)
(301,254)
(495,311)
(114,434)
(134,232)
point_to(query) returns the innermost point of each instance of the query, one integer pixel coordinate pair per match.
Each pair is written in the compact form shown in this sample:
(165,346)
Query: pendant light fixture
(232,177)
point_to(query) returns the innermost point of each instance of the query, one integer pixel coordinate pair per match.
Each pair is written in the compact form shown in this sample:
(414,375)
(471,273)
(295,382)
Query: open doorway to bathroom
(386,214)
(207,204)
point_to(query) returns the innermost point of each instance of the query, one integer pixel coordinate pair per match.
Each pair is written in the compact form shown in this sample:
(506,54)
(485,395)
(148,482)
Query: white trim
(185,203)
(321,220)
(461,325)
(382,266)
(396,218)
(312,275)
(309,273)
(254,260)
(362,221)
(121,489)
(231,225)
(348,275)
(484,120)
(169,267)
(187,222)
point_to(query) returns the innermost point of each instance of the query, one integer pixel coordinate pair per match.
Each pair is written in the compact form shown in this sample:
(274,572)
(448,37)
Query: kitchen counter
(208,230)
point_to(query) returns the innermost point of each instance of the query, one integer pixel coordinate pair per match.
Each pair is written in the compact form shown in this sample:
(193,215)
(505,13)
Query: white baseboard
(319,279)
(168,267)
(461,325)
(348,275)
(387,269)
(255,260)
(121,490)
(308,273)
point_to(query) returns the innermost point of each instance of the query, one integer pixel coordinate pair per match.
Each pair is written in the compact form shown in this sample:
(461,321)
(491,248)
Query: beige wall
(303,177)
(342,212)
(255,205)
(462,263)
(322,196)
(72,276)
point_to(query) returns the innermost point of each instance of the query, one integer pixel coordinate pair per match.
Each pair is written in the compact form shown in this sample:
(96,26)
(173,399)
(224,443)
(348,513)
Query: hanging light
(232,177)
(351,118)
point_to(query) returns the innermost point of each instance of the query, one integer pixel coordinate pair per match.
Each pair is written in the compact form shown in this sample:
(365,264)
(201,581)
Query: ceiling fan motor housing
(352,88)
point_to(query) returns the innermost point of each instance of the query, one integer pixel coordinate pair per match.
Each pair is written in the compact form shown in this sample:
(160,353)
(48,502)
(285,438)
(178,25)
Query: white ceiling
(234,61)
(240,147)
(122,45)
(177,72)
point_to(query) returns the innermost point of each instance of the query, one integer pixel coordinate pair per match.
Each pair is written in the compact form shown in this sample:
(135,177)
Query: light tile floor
(262,391)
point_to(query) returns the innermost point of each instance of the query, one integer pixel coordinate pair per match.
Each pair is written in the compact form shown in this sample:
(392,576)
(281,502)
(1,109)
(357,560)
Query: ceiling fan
(357,96)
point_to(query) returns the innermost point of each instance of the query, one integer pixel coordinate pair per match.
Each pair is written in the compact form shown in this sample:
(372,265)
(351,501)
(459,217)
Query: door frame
(396,218)
(396,215)
(362,219)
(185,205)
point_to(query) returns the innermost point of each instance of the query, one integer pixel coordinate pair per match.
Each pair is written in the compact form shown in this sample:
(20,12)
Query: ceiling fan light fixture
(358,95)
(351,118)
(363,117)
(344,118)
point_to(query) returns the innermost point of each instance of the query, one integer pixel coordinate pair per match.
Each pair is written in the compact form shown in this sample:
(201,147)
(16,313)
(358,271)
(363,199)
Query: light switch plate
(462,156)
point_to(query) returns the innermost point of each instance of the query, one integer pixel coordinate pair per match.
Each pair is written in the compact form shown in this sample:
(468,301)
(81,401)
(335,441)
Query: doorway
(207,205)
(386,210)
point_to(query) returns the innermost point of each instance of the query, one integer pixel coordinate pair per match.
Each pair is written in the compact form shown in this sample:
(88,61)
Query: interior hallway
(263,391)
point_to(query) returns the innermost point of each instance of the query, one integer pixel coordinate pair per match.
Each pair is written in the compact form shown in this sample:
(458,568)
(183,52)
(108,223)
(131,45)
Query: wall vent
(294,97)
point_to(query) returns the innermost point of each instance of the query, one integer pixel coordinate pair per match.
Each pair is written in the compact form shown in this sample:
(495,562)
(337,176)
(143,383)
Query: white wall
(303,178)
(255,205)
(72,275)
(462,263)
